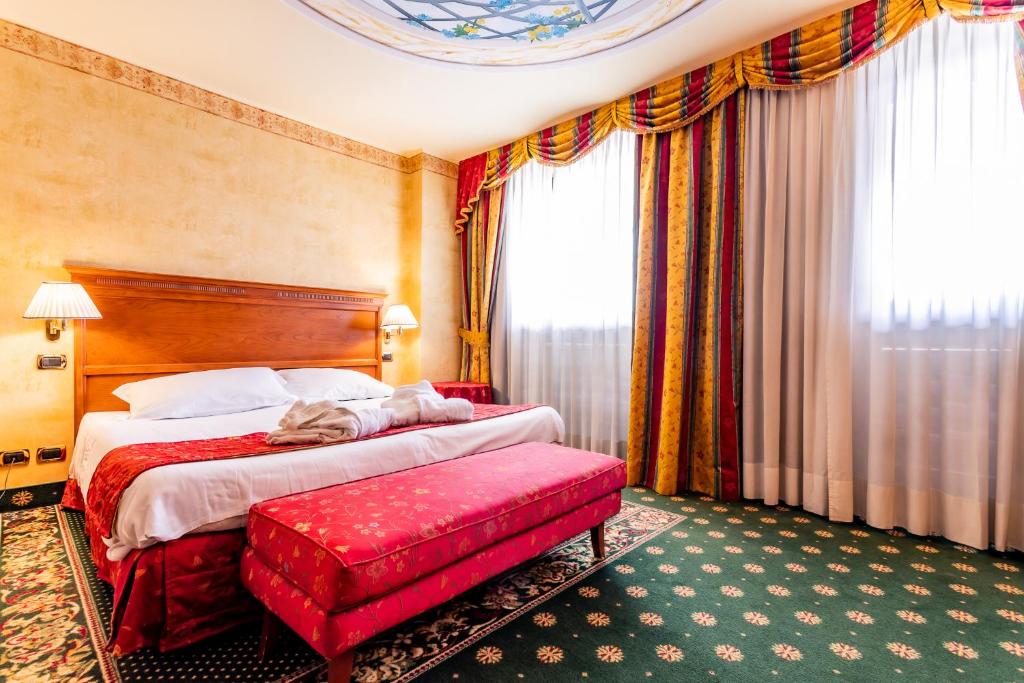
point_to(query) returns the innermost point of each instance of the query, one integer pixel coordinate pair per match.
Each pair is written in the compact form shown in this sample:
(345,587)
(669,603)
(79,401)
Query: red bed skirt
(172,594)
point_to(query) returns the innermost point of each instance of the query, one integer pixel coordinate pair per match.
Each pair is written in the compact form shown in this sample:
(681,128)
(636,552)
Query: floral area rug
(692,589)
(54,611)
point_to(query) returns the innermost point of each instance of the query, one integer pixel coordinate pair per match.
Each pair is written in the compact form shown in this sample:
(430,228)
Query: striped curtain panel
(684,402)
(481,254)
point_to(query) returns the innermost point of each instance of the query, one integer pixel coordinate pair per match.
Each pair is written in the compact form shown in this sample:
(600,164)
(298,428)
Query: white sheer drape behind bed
(884,291)
(563,318)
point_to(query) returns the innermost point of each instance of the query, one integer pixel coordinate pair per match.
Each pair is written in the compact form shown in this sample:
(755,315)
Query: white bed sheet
(168,502)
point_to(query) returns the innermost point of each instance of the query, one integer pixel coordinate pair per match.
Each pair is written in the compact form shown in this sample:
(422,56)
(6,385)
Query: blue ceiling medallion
(500,32)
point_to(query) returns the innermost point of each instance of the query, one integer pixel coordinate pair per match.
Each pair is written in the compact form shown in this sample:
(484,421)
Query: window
(564,322)
(946,180)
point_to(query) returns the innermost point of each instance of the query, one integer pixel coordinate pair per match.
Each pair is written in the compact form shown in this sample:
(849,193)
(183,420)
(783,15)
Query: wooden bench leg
(339,669)
(597,540)
(271,631)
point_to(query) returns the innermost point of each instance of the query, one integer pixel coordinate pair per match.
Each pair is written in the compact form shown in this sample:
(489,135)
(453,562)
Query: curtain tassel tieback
(474,338)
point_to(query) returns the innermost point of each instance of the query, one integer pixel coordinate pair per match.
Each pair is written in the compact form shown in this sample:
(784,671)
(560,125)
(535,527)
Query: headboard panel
(157,325)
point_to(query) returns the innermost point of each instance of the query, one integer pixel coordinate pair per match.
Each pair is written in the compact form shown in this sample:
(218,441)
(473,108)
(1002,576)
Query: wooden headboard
(157,325)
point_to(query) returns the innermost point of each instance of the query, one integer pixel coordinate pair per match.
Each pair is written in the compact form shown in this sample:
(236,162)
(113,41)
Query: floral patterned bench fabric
(331,633)
(347,544)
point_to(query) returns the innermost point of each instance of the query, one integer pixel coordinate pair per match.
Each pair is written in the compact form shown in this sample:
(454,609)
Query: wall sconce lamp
(396,319)
(58,302)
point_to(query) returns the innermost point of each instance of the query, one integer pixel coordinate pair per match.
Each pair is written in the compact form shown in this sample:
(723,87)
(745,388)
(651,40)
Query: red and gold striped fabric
(823,49)
(472,173)
(666,106)
(678,101)
(984,10)
(687,335)
(481,254)
(558,145)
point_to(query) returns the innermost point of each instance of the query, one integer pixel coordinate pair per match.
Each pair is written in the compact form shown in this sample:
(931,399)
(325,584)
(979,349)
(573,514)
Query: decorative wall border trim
(56,51)
(426,162)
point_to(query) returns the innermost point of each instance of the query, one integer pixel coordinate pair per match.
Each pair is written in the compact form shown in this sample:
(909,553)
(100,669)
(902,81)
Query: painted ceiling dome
(500,32)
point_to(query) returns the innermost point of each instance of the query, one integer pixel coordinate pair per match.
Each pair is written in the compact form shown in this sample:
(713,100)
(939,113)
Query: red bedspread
(180,592)
(121,466)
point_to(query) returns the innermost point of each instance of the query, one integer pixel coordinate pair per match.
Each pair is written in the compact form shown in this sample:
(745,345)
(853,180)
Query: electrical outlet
(387,357)
(19,457)
(50,454)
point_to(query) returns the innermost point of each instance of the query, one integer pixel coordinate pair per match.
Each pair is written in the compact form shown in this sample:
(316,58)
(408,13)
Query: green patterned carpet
(692,590)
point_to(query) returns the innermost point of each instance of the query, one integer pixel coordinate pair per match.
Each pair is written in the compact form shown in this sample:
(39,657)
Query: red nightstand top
(475,392)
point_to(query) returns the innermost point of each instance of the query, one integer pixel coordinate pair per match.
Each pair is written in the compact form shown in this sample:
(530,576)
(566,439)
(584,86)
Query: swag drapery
(811,54)
(806,56)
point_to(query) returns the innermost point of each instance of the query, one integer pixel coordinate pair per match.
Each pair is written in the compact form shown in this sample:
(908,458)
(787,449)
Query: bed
(176,540)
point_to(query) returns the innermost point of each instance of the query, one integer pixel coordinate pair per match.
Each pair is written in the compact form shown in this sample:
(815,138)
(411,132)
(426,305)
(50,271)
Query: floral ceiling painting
(531,20)
(500,32)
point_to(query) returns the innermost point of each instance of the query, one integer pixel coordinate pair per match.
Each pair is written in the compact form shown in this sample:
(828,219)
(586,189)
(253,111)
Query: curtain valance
(821,50)
(983,10)
(811,54)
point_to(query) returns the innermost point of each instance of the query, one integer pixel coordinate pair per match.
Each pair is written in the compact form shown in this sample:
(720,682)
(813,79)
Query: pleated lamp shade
(62,301)
(399,317)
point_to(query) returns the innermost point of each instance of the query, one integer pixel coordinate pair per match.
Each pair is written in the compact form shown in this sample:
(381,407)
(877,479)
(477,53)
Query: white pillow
(212,392)
(333,384)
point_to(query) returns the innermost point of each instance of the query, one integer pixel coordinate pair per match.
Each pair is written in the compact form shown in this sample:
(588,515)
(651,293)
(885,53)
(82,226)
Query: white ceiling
(266,53)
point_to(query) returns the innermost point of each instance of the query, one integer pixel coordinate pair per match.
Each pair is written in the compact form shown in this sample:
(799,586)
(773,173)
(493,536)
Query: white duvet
(168,502)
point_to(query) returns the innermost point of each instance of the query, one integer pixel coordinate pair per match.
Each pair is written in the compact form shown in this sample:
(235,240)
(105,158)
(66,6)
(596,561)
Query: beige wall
(95,172)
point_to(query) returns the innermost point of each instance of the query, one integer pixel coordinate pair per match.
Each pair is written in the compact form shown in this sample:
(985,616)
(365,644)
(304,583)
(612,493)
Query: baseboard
(24,497)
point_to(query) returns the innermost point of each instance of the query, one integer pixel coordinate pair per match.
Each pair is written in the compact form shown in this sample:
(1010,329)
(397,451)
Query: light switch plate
(51,361)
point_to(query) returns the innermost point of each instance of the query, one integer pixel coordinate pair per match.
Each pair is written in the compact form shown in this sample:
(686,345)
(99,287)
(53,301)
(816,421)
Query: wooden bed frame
(156,324)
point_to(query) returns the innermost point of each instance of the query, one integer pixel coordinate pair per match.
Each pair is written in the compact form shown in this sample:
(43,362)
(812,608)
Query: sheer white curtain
(884,291)
(564,315)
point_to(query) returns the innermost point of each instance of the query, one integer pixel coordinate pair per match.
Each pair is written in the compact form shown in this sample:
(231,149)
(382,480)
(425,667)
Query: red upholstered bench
(344,563)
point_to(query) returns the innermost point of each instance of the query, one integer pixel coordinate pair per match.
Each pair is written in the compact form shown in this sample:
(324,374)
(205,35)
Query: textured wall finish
(57,51)
(95,172)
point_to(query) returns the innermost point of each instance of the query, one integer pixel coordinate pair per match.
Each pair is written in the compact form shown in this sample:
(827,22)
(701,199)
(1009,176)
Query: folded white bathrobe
(420,404)
(325,422)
